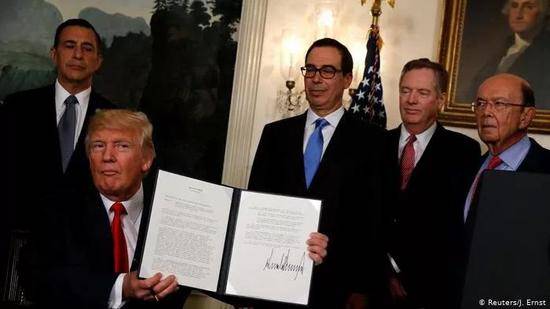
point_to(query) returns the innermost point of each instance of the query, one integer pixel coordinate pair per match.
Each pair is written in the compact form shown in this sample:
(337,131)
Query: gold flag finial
(390,2)
(376,9)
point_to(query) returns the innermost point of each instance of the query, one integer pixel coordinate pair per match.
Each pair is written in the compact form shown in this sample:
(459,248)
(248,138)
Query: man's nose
(317,77)
(77,52)
(109,154)
(412,98)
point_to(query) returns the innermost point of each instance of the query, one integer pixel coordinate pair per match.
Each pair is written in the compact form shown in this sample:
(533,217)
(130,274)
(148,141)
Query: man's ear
(527,115)
(53,54)
(348,78)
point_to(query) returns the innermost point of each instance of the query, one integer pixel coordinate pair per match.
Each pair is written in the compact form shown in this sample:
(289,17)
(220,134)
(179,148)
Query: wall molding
(244,93)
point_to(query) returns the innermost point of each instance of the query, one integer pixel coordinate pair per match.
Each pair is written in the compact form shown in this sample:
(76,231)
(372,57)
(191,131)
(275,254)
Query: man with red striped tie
(90,240)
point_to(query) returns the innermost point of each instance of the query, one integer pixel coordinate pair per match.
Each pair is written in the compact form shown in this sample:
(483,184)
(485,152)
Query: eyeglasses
(480,105)
(326,71)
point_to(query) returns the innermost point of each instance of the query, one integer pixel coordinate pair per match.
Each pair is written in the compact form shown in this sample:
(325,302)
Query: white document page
(187,230)
(269,258)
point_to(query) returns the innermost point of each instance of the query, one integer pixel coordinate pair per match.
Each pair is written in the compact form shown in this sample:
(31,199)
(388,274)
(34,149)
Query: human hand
(317,247)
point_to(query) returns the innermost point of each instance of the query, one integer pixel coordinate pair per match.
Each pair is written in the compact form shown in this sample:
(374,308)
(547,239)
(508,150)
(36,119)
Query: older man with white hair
(525,52)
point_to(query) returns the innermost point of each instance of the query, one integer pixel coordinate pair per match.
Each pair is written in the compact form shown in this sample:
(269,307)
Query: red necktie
(407,161)
(120,252)
(493,163)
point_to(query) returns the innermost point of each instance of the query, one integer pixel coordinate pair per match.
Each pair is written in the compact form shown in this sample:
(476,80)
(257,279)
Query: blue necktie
(66,128)
(314,149)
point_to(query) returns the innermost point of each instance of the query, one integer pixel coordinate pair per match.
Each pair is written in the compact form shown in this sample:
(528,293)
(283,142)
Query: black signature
(283,265)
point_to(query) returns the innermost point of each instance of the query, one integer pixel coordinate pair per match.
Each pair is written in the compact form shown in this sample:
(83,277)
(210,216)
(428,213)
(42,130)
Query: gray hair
(542,3)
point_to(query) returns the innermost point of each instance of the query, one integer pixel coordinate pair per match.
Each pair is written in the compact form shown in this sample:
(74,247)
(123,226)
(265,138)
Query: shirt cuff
(115,298)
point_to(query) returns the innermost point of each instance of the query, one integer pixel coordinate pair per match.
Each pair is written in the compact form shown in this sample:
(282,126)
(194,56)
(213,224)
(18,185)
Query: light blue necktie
(66,128)
(314,149)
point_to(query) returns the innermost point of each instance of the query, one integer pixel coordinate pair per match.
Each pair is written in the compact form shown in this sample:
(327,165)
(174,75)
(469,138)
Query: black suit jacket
(32,152)
(75,250)
(348,180)
(537,159)
(425,221)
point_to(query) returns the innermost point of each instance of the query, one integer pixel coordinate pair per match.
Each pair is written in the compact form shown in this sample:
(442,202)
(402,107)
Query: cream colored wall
(411,30)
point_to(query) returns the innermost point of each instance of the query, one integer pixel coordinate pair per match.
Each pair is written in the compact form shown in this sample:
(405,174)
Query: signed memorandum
(230,241)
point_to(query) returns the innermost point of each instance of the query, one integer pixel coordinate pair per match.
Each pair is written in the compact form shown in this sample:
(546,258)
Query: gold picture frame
(457,111)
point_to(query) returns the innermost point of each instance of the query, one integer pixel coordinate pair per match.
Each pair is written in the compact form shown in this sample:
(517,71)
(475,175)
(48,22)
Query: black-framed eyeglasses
(480,105)
(326,71)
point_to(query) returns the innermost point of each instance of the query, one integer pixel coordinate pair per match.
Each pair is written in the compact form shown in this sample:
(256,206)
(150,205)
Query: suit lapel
(296,144)
(79,153)
(331,153)
(50,116)
(99,225)
(429,156)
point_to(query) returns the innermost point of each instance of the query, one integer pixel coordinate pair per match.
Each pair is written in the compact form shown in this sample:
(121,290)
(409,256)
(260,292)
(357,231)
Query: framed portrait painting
(483,38)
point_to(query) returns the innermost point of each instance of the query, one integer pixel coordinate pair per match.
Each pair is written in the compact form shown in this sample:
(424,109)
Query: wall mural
(178,68)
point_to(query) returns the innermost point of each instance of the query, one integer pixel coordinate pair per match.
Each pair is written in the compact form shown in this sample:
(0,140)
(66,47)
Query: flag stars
(355,108)
(360,95)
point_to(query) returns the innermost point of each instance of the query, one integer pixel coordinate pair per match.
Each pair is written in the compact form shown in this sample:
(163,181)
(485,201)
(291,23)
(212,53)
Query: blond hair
(123,119)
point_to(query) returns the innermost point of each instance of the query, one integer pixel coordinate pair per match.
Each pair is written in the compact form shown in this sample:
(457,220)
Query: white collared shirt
(130,225)
(519,45)
(328,131)
(83,98)
(422,141)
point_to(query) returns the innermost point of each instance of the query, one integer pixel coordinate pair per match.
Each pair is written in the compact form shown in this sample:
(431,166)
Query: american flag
(367,103)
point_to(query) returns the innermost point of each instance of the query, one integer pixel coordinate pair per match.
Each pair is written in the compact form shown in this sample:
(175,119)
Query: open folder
(230,241)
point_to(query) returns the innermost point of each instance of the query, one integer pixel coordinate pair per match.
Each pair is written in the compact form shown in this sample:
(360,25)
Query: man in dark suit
(87,241)
(504,109)
(432,168)
(325,153)
(44,143)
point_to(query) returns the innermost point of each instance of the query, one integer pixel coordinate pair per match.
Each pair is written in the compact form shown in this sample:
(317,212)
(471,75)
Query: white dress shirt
(130,226)
(83,98)
(422,141)
(333,119)
(513,52)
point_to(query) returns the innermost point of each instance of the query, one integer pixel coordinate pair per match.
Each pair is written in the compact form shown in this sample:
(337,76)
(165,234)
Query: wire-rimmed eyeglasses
(480,105)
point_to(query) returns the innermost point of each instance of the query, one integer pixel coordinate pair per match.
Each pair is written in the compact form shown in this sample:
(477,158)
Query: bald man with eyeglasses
(504,109)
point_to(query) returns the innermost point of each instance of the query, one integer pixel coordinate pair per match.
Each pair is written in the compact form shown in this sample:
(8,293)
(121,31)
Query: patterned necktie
(66,129)
(493,163)
(314,149)
(407,162)
(120,253)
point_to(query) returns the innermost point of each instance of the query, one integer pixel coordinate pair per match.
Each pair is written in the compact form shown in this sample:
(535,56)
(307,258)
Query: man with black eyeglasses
(326,153)
(504,109)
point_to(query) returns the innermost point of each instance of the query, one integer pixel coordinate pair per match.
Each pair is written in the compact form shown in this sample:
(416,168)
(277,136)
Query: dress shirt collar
(423,138)
(134,205)
(332,118)
(514,155)
(519,44)
(61,95)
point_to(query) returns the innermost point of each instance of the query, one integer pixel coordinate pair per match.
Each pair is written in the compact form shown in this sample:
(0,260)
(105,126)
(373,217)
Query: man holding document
(91,244)
(327,154)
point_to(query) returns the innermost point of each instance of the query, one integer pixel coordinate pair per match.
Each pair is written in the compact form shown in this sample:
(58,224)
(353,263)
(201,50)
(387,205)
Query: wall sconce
(326,12)
(290,101)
